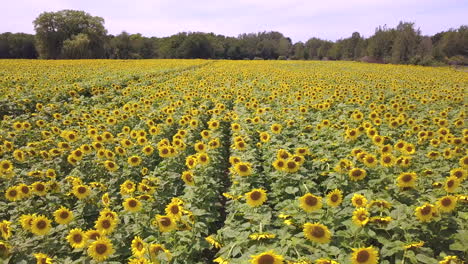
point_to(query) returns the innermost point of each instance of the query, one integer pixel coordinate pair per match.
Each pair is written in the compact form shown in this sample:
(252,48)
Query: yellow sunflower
(359,200)
(334,198)
(105,224)
(138,247)
(243,168)
(446,204)
(174,210)
(407,180)
(365,256)
(42,258)
(63,216)
(81,191)
(256,197)
(357,174)
(360,216)
(187,177)
(132,205)
(451,184)
(165,223)
(317,233)
(77,238)
(101,249)
(291,166)
(279,164)
(134,160)
(5,229)
(156,249)
(269,257)
(425,213)
(40,225)
(12,194)
(310,202)
(111,166)
(387,160)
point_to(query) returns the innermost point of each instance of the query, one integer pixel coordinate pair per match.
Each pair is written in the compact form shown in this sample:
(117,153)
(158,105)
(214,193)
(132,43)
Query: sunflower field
(201,161)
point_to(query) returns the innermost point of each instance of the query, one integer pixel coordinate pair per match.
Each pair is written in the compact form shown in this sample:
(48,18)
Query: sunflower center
(311,200)
(243,168)
(175,209)
(426,210)
(132,203)
(446,202)
(81,189)
(407,178)
(356,173)
(362,217)
(188,177)
(291,164)
(165,221)
(266,259)
(64,215)
(157,249)
(318,231)
(362,256)
(106,224)
(77,238)
(450,183)
(255,195)
(139,246)
(40,187)
(12,193)
(25,189)
(334,198)
(41,224)
(101,249)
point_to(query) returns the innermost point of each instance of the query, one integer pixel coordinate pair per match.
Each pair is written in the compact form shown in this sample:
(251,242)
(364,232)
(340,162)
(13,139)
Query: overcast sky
(297,19)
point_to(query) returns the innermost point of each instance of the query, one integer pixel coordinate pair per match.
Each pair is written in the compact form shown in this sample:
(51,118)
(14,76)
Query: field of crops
(264,162)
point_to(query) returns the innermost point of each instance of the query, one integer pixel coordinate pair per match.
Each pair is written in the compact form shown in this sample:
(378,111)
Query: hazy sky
(298,19)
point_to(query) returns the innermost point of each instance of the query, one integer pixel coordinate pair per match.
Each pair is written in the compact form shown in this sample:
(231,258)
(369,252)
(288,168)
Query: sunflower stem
(305,186)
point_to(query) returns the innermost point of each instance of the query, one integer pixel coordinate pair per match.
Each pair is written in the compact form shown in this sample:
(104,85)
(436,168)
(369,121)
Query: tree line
(71,34)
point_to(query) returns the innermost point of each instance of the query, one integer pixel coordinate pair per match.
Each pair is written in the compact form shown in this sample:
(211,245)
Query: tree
(53,28)
(77,47)
(406,42)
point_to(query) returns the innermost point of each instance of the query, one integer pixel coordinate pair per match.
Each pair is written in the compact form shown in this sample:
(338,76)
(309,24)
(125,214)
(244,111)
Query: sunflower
(42,258)
(451,260)
(12,194)
(127,187)
(451,184)
(291,166)
(132,205)
(243,168)
(279,164)
(325,261)
(187,177)
(407,180)
(203,158)
(459,173)
(138,247)
(6,166)
(264,137)
(310,202)
(463,162)
(317,233)
(93,234)
(134,160)
(156,249)
(365,256)
(357,174)
(105,199)
(40,225)
(81,191)
(268,257)
(165,223)
(370,161)
(387,160)
(77,238)
(212,241)
(359,200)
(5,229)
(240,145)
(63,216)
(256,197)
(276,128)
(446,204)
(361,216)
(101,249)
(334,198)
(111,166)
(39,188)
(425,213)
(105,224)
